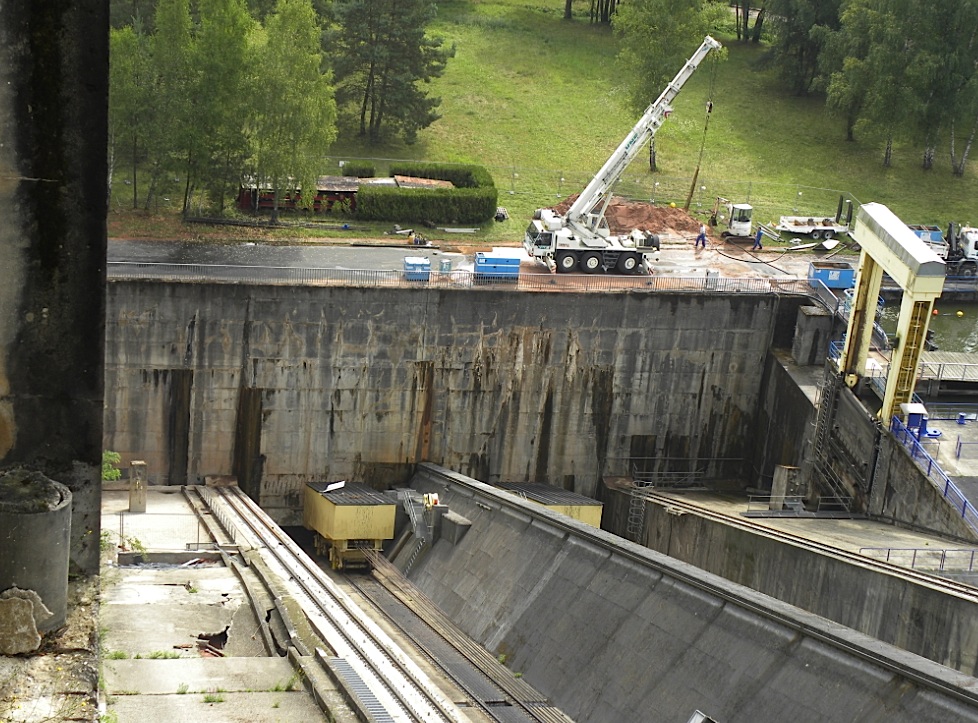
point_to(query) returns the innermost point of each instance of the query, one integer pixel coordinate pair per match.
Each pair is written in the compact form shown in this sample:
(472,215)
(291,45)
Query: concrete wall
(903,495)
(782,429)
(283,385)
(915,617)
(53,119)
(621,633)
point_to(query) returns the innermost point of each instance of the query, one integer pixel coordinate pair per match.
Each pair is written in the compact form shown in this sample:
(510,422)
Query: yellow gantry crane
(889,246)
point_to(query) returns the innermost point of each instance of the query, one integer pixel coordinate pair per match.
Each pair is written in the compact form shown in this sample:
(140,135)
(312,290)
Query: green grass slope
(537,100)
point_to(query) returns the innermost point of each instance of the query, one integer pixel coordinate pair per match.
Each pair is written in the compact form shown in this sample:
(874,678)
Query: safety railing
(925,558)
(932,470)
(961,446)
(955,371)
(463,279)
(794,505)
(136,531)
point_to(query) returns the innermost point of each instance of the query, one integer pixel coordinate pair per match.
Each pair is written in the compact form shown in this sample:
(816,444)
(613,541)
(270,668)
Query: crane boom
(581,213)
(581,239)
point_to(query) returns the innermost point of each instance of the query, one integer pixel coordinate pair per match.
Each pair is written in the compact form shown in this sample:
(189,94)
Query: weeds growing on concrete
(117,655)
(182,689)
(213,698)
(289,684)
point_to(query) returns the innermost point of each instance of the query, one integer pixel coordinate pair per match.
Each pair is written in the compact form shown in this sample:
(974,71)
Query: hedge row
(473,199)
(358,169)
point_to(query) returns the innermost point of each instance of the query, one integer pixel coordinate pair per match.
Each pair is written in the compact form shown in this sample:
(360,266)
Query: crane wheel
(566,262)
(627,264)
(590,263)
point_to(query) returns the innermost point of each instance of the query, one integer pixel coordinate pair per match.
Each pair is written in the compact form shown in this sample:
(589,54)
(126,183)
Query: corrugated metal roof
(352,493)
(547,494)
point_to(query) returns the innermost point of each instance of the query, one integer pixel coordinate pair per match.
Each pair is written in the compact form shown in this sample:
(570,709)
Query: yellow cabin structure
(348,519)
(581,508)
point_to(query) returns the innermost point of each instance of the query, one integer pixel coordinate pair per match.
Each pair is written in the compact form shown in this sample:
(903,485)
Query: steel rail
(393,681)
(520,695)
(749,600)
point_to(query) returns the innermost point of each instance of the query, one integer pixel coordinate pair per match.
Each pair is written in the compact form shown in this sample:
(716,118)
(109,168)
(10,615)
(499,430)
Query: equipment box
(834,274)
(417,268)
(496,266)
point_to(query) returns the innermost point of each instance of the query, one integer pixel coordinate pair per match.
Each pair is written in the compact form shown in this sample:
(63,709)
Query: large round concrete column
(35,534)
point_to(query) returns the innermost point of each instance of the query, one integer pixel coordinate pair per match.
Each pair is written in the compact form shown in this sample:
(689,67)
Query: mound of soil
(623,216)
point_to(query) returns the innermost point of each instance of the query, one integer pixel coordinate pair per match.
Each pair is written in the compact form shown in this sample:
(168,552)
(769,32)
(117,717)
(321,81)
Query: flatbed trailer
(813,226)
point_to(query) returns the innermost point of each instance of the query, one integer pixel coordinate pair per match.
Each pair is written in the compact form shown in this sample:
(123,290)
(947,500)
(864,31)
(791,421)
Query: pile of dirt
(623,216)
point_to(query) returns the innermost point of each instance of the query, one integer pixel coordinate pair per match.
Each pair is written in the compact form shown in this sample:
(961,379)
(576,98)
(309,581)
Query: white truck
(959,251)
(581,239)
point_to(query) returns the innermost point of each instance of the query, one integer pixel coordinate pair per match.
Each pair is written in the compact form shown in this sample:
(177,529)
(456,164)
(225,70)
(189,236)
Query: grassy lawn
(536,99)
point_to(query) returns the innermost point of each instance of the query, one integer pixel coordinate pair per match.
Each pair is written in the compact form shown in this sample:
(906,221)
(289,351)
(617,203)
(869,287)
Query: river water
(955,325)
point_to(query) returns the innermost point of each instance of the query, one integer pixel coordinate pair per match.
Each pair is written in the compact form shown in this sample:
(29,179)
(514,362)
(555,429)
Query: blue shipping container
(491,266)
(930,234)
(417,268)
(835,275)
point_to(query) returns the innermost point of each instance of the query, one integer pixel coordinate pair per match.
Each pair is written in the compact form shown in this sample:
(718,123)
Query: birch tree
(294,118)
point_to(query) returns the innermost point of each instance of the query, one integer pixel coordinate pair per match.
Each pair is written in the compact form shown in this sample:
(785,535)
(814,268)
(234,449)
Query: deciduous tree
(657,38)
(294,111)
(130,79)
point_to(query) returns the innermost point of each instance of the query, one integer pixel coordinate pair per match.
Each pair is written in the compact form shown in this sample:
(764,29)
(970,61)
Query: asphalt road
(274,257)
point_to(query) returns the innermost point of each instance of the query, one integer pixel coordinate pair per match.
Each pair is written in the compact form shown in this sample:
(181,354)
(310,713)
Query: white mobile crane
(581,239)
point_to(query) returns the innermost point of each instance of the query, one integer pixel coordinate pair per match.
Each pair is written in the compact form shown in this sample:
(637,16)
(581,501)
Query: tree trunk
(653,166)
(135,195)
(367,93)
(851,126)
(929,154)
(567,9)
(758,24)
(957,167)
(888,153)
(275,192)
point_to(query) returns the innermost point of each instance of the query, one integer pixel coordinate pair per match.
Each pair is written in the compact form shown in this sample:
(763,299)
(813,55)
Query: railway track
(389,686)
(921,672)
(491,687)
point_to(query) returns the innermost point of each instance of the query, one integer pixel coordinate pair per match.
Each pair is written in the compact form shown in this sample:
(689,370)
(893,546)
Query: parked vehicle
(581,239)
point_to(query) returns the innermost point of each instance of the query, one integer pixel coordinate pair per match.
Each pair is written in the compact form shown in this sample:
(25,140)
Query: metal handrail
(456,279)
(923,558)
(937,476)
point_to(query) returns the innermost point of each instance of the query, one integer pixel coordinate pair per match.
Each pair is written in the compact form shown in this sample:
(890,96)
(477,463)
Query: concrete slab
(199,675)
(148,610)
(217,707)
(169,522)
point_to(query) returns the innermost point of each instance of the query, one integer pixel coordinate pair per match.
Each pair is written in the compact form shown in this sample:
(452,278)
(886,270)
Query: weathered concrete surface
(907,614)
(149,610)
(284,385)
(153,618)
(903,495)
(53,111)
(200,675)
(622,636)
